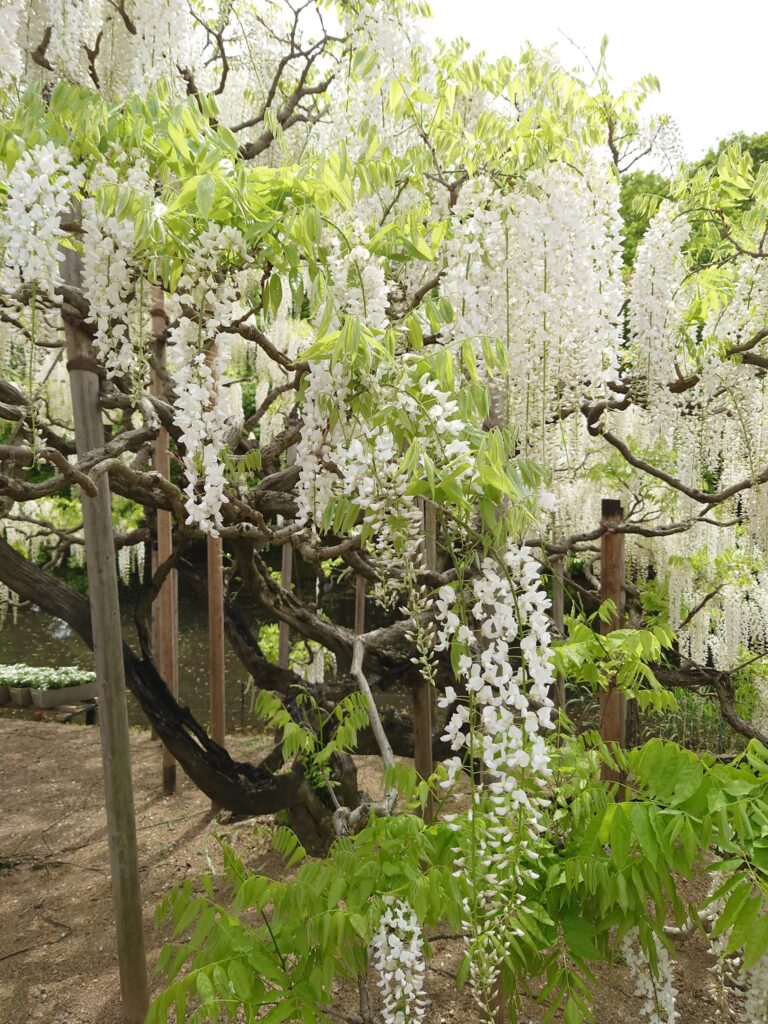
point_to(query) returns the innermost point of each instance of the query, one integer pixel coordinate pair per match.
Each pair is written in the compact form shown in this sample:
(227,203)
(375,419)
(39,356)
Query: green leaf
(463,972)
(572,1012)
(204,193)
(756,943)
(736,901)
(242,979)
(743,924)
(646,837)
(283,1011)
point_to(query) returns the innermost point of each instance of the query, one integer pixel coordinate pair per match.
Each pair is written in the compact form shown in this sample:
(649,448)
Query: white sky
(709,57)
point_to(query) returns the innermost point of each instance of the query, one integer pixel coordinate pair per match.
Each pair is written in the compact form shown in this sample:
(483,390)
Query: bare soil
(57,955)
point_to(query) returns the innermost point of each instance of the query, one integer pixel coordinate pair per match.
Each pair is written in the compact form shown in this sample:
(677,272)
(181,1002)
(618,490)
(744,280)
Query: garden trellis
(404,263)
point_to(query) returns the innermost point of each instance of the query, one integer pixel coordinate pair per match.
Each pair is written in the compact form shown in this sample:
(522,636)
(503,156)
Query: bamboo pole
(164,618)
(424,691)
(108,656)
(613,702)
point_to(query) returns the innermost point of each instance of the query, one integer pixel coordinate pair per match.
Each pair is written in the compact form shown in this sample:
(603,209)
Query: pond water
(38,639)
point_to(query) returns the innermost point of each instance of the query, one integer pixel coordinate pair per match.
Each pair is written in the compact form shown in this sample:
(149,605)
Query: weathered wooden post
(424,691)
(359,605)
(215,571)
(108,656)
(558,620)
(613,702)
(164,617)
(286,579)
(284,630)
(216,636)
(216,677)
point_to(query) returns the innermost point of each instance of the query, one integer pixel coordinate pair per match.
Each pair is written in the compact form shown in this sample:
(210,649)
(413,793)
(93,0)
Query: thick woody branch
(702,497)
(721,684)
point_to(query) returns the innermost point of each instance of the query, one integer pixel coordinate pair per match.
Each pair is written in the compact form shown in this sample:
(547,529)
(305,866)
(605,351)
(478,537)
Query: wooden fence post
(613,702)
(164,615)
(108,656)
(424,691)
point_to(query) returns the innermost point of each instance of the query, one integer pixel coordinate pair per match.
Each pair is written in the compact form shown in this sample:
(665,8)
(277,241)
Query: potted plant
(46,686)
(21,695)
(17,682)
(66,685)
(5,693)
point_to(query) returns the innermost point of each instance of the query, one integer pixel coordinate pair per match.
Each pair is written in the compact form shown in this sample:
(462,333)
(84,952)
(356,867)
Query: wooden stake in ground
(164,619)
(424,691)
(108,656)
(613,702)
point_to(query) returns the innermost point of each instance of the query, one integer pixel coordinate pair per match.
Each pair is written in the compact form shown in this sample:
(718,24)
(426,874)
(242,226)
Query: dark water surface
(38,639)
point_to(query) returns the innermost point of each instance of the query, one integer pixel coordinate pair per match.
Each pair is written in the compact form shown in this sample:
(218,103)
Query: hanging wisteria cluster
(91,42)
(201,354)
(756,1000)
(40,189)
(359,458)
(397,949)
(658,301)
(505,669)
(108,281)
(656,990)
(539,268)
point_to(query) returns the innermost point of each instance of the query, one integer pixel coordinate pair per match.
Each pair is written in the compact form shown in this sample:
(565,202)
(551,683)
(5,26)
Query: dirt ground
(57,956)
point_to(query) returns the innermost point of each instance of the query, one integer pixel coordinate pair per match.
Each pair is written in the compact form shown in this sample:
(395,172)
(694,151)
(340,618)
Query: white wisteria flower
(40,187)
(657,993)
(397,949)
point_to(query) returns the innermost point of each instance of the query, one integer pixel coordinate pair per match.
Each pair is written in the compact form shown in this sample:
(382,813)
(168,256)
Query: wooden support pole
(558,620)
(153,735)
(164,619)
(613,702)
(359,605)
(284,630)
(286,579)
(216,637)
(215,567)
(108,657)
(423,691)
